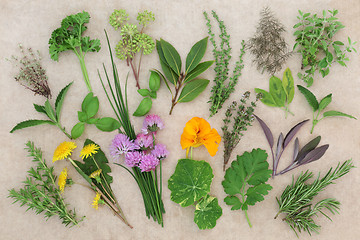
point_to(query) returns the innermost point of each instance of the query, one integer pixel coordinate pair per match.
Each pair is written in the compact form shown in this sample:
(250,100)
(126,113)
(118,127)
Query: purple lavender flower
(132,159)
(160,151)
(152,123)
(121,144)
(148,163)
(144,141)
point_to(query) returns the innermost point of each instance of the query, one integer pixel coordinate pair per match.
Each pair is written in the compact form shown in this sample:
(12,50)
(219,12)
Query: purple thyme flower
(148,163)
(152,123)
(133,159)
(144,141)
(121,144)
(160,151)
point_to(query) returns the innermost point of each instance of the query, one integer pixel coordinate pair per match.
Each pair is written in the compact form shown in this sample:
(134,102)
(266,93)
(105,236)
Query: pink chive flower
(152,123)
(160,151)
(121,144)
(148,163)
(132,159)
(144,141)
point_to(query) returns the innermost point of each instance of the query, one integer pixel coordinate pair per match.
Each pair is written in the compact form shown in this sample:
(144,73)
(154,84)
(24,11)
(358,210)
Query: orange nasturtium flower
(198,132)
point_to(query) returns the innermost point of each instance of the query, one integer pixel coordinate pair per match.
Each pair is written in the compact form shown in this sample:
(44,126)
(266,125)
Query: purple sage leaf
(307,148)
(314,155)
(293,132)
(267,132)
(296,149)
(278,152)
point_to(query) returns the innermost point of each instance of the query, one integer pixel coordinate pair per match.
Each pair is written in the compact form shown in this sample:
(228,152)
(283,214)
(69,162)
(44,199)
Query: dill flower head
(117,18)
(145,17)
(148,163)
(62,179)
(129,30)
(121,144)
(89,150)
(96,201)
(144,42)
(152,123)
(160,151)
(63,151)
(125,49)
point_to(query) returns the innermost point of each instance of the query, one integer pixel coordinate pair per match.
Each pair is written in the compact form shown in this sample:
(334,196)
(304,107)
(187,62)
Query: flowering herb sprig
(143,155)
(133,41)
(41,193)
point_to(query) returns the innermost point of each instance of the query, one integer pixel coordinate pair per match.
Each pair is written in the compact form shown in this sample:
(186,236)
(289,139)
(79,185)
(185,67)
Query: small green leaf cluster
(148,94)
(69,37)
(40,192)
(247,178)
(318,107)
(243,118)
(281,92)
(89,109)
(49,111)
(296,200)
(190,185)
(314,41)
(224,85)
(185,81)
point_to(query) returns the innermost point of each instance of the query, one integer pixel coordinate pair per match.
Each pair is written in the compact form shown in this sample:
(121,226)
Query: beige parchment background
(182,24)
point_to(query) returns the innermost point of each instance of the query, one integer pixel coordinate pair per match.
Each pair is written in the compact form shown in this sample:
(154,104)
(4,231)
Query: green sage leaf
(266,98)
(143,108)
(310,97)
(154,81)
(60,99)
(77,130)
(277,91)
(30,123)
(337,113)
(172,57)
(207,212)
(200,68)
(324,102)
(50,111)
(196,54)
(192,90)
(107,124)
(288,85)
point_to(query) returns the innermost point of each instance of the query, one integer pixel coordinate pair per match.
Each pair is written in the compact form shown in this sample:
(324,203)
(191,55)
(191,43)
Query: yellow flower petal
(96,201)
(63,151)
(89,150)
(62,179)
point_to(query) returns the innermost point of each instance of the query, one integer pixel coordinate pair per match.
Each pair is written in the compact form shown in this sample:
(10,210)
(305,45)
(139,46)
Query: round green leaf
(82,116)
(77,130)
(143,108)
(153,95)
(190,181)
(192,90)
(154,81)
(90,105)
(107,124)
(143,92)
(207,212)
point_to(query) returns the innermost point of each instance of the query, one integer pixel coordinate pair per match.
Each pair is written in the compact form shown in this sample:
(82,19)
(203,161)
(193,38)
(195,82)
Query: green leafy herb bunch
(134,42)
(314,41)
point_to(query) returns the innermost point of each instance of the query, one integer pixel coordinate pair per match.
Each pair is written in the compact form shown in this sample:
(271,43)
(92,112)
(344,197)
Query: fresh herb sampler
(318,107)
(224,85)
(190,183)
(40,192)
(314,41)
(243,118)
(186,87)
(281,92)
(247,178)
(296,200)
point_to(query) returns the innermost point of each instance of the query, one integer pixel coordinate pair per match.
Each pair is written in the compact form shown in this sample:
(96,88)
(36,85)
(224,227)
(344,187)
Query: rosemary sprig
(296,199)
(40,192)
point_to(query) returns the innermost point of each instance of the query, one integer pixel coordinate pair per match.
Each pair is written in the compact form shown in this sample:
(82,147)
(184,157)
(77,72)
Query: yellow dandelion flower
(96,201)
(95,173)
(63,151)
(62,179)
(89,150)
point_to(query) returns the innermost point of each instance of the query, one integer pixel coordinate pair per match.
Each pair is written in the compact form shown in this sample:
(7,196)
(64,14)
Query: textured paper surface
(182,24)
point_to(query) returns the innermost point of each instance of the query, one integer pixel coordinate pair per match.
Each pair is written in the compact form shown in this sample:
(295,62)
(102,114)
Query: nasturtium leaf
(192,90)
(200,68)
(77,130)
(154,81)
(324,102)
(207,212)
(277,91)
(266,97)
(337,113)
(143,108)
(143,92)
(288,85)
(190,181)
(107,124)
(310,97)
(172,57)
(60,99)
(247,177)
(82,116)
(50,111)
(30,123)
(196,54)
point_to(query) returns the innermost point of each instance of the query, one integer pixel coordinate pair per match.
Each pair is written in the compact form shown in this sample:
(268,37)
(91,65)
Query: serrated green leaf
(337,113)
(207,212)
(77,130)
(310,97)
(50,111)
(266,98)
(190,181)
(257,193)
(143,108)
(196,54)
(60,99)
(200,68)
(30,123)
(234,202)
(82,116)
(288,85)
(324,102)
(277,91)
(39,108)
(143,92)
(107,124)
(154,81)
(192,90)
(172,57)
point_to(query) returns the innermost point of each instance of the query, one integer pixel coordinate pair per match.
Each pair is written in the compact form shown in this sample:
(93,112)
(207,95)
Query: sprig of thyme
(296,199)
(222,53)
(244,117)
(40,192)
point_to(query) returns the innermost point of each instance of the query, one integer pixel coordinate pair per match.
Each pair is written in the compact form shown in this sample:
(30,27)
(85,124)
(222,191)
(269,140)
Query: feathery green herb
(222,53)
(40,192)
(296,200)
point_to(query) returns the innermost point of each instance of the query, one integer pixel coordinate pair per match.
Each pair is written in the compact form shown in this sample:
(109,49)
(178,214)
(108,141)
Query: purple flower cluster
(141,152)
